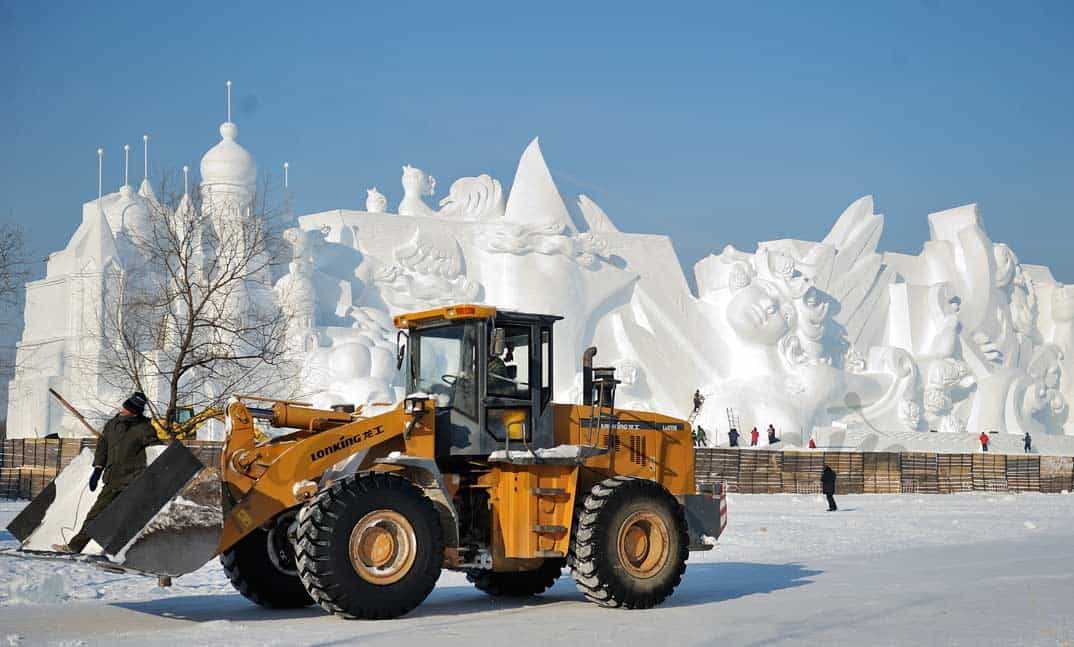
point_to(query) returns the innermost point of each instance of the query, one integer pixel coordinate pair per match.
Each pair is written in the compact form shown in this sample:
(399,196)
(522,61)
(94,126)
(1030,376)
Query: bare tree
(194,318)
(15,271)
(14,266)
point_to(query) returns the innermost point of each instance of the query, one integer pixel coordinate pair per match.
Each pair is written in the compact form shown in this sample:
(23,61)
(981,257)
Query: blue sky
(714,123)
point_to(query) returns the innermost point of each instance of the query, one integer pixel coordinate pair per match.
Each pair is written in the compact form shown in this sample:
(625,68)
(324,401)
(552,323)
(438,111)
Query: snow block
(27,521)
(121,521)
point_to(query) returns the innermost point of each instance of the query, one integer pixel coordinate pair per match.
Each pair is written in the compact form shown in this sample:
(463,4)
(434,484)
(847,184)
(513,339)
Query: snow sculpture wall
(802,335)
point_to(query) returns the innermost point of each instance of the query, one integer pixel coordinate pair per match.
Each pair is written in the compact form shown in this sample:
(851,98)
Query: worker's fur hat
(135,403)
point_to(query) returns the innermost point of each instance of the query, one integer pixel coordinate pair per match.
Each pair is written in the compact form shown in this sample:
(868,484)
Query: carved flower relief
(910,413)
(936,401)
(741,274)
(781,265)
(590,248)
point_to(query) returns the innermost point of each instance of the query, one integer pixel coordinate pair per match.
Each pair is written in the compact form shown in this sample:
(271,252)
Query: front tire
(370,547)
(517,584)
(629,545)
(261,568)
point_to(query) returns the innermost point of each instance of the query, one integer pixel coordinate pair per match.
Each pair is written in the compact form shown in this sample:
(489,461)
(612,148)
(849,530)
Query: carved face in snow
(758,315)
(375,202)
(812,311)
(416,182)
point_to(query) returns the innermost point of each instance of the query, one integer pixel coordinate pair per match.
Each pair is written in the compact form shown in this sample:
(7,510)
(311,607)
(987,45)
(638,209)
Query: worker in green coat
(119,459)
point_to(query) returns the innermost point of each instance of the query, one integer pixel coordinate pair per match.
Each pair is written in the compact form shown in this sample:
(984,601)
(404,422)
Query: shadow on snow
(704,583)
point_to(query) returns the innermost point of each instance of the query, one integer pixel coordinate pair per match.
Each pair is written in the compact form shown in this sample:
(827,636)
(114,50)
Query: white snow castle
(812,337)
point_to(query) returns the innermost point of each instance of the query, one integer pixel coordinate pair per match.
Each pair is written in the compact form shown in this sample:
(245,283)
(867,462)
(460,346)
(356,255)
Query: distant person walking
(984,441)
(772,440)
(827,485)
(812,444)
(1028,442)
(754,435)
(701,439)
(732,436)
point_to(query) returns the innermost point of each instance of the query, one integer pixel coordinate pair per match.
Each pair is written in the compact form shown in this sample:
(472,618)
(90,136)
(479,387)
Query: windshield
(442,364)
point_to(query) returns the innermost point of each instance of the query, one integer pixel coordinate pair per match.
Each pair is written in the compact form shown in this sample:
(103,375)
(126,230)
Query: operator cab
(490,373)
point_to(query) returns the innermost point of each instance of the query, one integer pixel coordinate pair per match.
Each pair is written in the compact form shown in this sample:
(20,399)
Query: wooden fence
(769,472)
(28,465)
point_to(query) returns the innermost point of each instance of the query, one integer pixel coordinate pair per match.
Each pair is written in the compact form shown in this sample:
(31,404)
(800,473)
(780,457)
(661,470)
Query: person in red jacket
(984,441)
(812,444)
(754,435)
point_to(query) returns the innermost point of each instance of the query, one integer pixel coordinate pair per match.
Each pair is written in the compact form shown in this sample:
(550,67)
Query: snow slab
(73,501)
(969,569)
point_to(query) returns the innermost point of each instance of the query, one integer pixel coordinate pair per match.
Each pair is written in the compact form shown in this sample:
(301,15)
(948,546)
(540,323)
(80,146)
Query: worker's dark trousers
(1028,447)
(79,541)
(831,503)
(984,448)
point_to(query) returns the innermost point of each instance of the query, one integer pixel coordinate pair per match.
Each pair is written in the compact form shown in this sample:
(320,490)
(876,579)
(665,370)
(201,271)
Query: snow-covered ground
(972,569)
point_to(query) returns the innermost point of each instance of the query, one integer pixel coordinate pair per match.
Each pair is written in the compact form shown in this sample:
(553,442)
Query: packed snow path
(973,569)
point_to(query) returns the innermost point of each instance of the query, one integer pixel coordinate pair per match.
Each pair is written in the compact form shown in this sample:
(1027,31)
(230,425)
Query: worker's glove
(95,477)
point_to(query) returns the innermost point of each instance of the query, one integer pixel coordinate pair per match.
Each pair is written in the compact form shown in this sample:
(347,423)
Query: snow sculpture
(416,185)
(375,202)
(808,336)
(474,198)
(428,272)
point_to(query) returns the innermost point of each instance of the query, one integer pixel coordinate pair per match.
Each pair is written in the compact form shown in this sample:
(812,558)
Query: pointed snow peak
(94,240)
(534,198)
(146,191)
(858,215)
(594,216)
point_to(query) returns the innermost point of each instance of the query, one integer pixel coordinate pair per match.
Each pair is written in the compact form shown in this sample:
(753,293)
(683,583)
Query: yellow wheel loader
(477,470)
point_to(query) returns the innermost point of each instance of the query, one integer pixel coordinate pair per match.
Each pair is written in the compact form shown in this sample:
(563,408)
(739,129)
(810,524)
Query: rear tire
(629,544)
(517,584)
(370,547)
(254,574)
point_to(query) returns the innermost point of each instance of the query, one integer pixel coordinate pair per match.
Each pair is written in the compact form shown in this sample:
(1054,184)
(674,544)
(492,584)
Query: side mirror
(499,342)
(400,348)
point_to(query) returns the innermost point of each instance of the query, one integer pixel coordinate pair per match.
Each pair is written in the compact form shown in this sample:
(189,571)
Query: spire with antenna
(229,101)
(186,179)
(285,176)
(100,176)
(126,163)
(145,157)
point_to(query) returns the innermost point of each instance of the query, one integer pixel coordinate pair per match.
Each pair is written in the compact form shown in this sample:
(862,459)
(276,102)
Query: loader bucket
(167,522)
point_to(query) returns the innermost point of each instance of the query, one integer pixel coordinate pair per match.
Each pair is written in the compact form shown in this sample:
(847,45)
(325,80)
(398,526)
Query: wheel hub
(382,547)
(644,544)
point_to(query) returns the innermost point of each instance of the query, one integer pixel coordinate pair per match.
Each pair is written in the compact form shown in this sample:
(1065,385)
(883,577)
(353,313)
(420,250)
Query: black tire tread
(592,575)
(254,576)
(312,545)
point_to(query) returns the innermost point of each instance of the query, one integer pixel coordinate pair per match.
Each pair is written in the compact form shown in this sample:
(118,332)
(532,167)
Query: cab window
(509,369)
(443,365)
